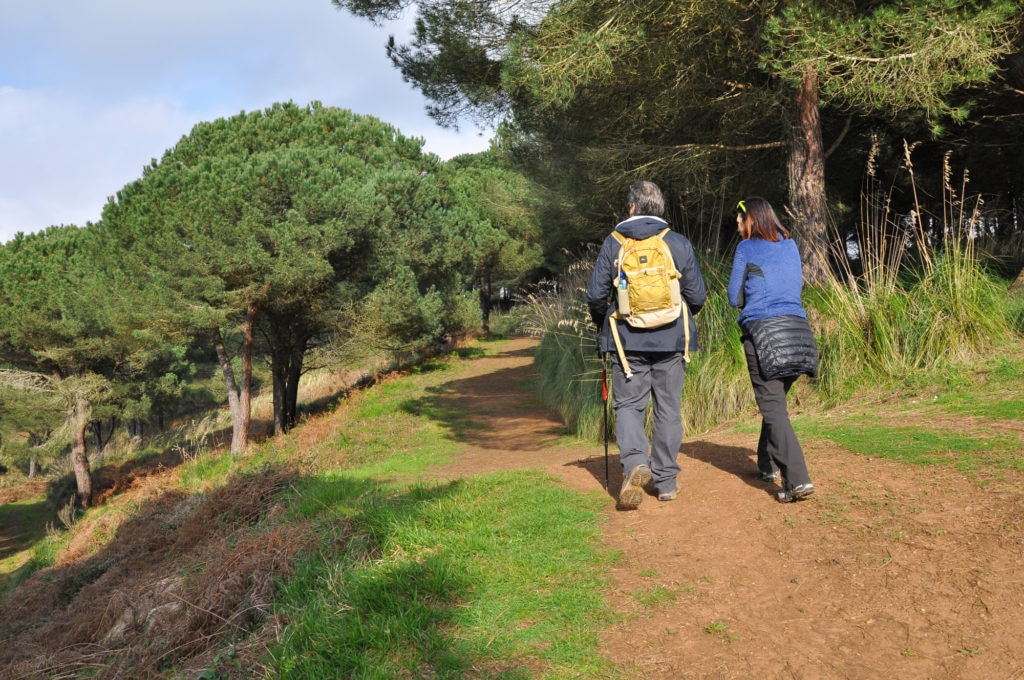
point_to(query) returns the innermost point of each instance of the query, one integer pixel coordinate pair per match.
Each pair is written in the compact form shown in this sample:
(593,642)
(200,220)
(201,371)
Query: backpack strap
(685,312)
(615,316)
(624,242)
(661,234)
(614,325)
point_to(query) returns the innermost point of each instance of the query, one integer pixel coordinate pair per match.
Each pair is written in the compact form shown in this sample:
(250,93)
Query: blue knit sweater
(773,279)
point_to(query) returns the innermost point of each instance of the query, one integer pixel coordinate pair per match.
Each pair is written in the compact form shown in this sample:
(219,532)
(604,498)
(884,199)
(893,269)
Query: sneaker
(668,495)
(632,491)
(770,477)
(797,493)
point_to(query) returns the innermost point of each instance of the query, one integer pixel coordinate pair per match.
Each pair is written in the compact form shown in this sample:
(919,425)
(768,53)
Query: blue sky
(91,92)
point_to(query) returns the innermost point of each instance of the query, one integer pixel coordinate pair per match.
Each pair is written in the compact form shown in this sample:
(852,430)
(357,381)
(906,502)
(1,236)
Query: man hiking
(648,329)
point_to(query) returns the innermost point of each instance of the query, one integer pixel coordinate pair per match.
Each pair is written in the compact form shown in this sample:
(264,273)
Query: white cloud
(68,155)
(91,92)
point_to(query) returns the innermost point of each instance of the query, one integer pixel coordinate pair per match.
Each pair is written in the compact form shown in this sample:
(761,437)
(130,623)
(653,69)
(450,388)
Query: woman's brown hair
(761,220)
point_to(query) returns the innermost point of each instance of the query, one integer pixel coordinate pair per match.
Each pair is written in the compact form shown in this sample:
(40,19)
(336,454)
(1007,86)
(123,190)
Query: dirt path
(890,571)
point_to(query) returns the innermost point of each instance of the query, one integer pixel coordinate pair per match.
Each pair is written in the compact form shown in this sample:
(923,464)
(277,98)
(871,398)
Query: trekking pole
(604,397)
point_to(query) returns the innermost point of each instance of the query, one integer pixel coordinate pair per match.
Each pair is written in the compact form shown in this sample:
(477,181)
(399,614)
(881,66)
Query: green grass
(24,525)
(495,576)
(654,596)
(916,445)
(932,404)
(995,391)
(498,572)
(720,630)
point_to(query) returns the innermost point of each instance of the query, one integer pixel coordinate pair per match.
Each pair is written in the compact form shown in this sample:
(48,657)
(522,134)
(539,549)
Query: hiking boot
(632,491)
(668,495)
(797,493)
(770,477)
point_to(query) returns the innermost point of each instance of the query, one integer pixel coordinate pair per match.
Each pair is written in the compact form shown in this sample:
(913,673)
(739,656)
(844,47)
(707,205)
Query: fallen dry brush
(182,579)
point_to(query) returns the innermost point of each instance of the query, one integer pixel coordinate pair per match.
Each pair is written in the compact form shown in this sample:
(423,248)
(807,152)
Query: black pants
(777,446)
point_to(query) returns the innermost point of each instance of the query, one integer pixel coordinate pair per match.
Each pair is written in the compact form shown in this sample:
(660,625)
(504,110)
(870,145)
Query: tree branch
(25,380)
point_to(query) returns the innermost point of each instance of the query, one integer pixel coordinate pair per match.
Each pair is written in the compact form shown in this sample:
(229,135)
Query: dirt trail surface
(889,571)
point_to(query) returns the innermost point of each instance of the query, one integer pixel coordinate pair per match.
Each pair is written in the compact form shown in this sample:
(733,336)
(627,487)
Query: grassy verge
(916,444)
(22,522)
(490,576)
(496,575)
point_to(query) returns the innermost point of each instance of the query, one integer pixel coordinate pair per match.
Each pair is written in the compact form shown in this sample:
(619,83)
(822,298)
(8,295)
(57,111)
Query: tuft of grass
(569,367)
(919,301)
(834,512)
(1015,312)
(655,596)
(717,382)
(720,630)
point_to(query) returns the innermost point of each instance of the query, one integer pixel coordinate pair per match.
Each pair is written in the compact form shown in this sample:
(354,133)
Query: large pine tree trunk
(279,358)
(806,167)
(79,455)
(485,299)
(1018,284)
(286,359)
(239,401)
(240,434)
(292,387)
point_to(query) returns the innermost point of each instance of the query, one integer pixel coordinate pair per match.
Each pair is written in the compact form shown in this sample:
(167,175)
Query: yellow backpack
(647,282)
(647,288)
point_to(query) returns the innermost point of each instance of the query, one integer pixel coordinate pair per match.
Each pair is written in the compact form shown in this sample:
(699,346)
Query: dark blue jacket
(600,298)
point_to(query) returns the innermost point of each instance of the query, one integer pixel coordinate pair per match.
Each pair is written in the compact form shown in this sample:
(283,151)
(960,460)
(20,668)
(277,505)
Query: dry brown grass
(183,576)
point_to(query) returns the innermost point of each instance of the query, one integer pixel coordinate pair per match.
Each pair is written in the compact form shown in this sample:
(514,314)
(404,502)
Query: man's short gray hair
(647,198)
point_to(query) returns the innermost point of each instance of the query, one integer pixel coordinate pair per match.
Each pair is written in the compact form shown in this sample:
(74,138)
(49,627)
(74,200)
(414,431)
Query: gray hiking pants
(777,447)
(658,377)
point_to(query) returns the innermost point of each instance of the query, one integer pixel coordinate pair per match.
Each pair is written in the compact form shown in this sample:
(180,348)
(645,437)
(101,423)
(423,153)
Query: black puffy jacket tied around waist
(785,346)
